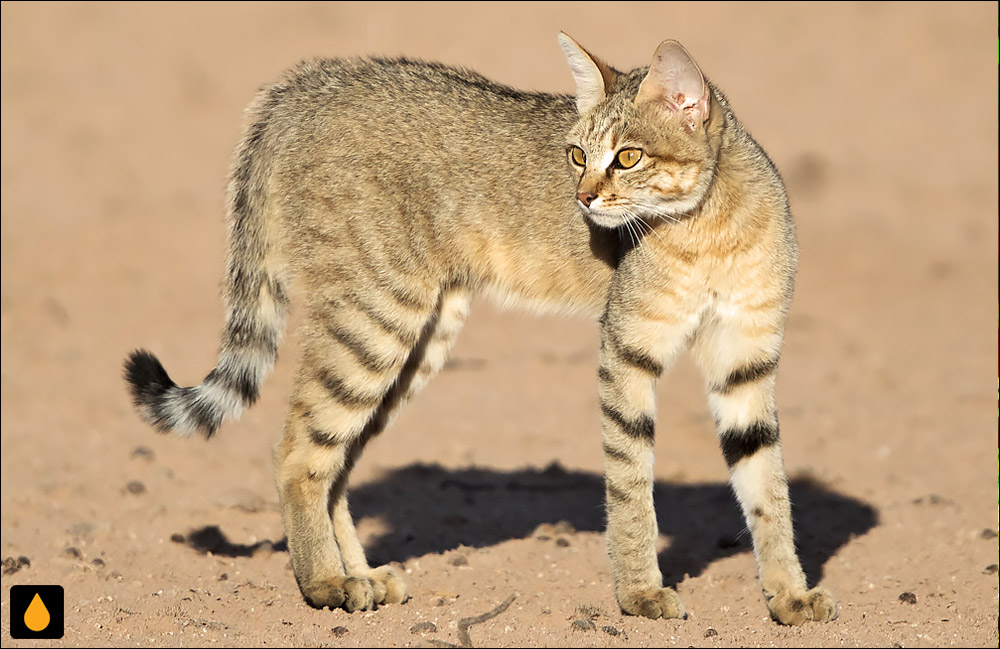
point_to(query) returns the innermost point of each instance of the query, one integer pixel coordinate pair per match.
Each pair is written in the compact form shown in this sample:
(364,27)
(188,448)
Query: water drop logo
(37,616)
(36,612)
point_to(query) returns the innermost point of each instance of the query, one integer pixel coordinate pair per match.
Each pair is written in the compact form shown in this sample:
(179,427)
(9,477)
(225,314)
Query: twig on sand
(463,625)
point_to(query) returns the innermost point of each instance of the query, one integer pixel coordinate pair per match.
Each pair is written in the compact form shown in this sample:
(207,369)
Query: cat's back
(393,101)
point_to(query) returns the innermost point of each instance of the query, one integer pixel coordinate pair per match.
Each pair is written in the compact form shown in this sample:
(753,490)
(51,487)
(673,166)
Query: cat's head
(641,146)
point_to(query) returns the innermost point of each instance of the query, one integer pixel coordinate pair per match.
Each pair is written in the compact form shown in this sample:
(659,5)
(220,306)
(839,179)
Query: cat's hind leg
(353,355)
(425,360)
(738,354)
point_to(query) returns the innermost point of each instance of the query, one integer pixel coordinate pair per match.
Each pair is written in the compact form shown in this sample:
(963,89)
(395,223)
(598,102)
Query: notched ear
(592,75)
(674,82)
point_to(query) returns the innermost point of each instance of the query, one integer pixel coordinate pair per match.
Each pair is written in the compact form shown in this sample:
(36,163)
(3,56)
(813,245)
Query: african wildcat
(393,190)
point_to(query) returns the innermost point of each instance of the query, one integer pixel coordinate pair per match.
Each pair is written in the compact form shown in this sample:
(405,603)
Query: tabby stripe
(242,381)
(323,438)
(245,332)
(616,493)
(344,395)
(641,428)
(369,359)
(637,358)
(750,373)
(405,299)
(405,337)
(402,297)
(604,374)
(616,454)
(738,444)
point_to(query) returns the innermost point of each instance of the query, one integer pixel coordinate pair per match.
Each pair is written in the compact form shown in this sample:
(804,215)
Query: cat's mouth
(604,217)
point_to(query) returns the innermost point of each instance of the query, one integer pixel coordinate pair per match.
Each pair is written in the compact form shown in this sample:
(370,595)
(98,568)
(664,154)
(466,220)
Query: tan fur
(392,191)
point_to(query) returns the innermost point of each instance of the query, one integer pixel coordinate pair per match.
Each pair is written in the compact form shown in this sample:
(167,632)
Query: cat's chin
(604,220)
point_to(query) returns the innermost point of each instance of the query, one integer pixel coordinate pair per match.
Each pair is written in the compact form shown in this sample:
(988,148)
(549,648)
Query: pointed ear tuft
(592,75)
(674,82)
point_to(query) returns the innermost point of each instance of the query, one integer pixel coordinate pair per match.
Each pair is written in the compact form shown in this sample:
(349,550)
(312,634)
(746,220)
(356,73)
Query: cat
(392,191)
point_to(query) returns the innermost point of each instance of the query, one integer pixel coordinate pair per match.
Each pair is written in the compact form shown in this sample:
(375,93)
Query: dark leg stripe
(369,359)
(344,395)
(604,374)
(641,428)
(322,438)
(637,358)
(747,374)
(616,454)
(739,444)
(616,493)
(405,337)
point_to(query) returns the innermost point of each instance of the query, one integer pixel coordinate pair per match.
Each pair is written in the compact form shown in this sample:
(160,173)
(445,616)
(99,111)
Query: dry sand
(117,125)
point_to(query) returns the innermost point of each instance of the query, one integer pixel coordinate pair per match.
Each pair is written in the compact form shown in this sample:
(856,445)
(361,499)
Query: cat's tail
(254,292)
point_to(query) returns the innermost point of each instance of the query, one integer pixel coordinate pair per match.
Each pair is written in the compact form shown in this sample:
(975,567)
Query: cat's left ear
(675,82)
(592,75)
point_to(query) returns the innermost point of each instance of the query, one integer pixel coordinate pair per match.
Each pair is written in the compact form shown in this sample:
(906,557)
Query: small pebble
(178,538)
(459,560)
(992,569)
(711,633)
(583,625)
(340,631)
(908,598)
(562,542)
(73,552)
(135,487)
(988,533)
(99,563)
(424,627)
(143,452)
(610,630)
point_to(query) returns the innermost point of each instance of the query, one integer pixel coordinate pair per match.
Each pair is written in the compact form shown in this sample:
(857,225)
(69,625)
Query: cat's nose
(586,198)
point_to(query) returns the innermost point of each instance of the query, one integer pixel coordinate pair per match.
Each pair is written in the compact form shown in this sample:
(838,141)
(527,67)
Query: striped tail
(256,304)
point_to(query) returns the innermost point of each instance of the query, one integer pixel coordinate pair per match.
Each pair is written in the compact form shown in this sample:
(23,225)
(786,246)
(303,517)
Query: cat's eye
(628,158)
(578,157)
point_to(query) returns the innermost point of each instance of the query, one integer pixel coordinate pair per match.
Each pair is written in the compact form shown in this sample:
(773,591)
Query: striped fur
(393,191)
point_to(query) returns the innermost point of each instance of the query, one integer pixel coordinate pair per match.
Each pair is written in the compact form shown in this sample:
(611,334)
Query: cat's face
(634,162)
(640,149)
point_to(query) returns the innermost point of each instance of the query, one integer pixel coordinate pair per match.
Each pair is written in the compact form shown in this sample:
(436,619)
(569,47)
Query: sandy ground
(117,124)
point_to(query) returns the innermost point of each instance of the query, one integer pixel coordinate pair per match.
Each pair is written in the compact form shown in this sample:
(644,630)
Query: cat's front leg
(634,349)
(738,352)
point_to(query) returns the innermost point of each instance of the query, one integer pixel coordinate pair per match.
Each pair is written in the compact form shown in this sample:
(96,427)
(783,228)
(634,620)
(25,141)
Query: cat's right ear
(592,75)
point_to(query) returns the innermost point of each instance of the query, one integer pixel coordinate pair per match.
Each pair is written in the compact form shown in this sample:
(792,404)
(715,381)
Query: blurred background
(117,122)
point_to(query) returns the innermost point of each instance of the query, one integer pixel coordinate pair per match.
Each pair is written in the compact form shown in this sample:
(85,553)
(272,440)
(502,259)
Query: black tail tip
(147,379)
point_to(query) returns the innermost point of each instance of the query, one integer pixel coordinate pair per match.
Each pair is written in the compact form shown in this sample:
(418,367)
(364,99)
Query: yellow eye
(578,157)
(628,158)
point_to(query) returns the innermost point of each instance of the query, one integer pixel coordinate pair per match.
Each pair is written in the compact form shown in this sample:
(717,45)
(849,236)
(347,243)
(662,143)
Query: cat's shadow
(429,509)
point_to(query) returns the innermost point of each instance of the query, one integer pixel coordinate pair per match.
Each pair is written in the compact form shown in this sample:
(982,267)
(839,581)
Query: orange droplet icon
(37,616)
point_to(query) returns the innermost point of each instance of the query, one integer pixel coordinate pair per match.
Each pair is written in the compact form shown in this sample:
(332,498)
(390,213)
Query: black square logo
(36,612)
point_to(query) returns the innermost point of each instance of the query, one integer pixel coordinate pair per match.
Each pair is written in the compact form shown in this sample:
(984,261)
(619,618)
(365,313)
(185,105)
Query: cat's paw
(390,588)
(653,603)
(350,593)
(817,605)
